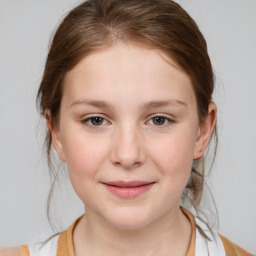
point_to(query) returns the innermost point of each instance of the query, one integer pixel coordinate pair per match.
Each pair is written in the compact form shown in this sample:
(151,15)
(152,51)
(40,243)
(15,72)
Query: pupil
(159,120)
(97,120)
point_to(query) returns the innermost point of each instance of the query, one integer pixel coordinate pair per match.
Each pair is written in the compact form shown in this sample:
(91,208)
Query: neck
(169,235)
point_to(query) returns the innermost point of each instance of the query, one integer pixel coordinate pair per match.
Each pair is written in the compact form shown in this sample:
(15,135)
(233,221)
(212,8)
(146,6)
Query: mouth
(128,189)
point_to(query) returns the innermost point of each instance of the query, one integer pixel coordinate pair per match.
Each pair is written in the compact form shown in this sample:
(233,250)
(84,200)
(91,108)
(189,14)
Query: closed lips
(127,184)
(128,189)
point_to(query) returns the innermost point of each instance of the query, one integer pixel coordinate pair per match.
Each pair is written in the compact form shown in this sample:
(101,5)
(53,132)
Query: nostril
(128,166)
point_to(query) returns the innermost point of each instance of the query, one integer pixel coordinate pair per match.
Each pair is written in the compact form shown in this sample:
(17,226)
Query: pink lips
(128,189)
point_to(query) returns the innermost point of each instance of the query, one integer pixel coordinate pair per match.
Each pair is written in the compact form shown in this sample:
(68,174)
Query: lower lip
(129,192)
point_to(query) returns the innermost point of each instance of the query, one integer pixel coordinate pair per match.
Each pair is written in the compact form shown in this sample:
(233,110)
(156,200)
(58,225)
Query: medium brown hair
(156,24)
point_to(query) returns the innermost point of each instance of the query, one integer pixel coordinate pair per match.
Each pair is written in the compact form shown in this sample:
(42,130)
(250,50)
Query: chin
(129,219)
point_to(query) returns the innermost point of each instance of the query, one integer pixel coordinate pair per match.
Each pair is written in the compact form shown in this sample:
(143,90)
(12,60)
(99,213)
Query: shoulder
(232,249)
(11,251)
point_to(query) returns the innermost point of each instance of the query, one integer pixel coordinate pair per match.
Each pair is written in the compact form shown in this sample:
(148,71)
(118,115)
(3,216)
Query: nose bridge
(127,147)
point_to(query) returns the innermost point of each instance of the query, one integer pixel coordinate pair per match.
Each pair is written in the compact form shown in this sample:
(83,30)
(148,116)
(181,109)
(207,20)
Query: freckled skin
(128,145)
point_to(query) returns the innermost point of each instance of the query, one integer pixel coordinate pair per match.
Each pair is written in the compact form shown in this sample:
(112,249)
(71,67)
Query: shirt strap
(192,244)
(24,251)
(233,249)
(65,244)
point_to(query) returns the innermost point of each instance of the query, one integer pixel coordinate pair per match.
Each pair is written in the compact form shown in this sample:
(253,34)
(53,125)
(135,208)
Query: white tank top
(48,249)
(205,247)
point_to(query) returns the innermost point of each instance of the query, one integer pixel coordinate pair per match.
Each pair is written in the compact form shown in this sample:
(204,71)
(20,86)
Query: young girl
(127,98)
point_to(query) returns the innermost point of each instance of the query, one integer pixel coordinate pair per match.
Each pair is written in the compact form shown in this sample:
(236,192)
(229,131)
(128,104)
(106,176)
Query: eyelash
(86,121)
(91,126)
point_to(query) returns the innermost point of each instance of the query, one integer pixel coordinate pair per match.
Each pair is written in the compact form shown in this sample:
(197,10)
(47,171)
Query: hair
(158,24)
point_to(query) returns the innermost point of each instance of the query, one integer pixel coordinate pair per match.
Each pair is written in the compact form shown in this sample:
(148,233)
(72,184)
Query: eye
(94,121)
(161,120)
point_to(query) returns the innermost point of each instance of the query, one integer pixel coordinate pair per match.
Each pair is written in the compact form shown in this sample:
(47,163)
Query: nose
(127,148)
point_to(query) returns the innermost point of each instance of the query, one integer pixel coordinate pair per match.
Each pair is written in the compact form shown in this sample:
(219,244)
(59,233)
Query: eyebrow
(94,103)
(150,104)
(163,103)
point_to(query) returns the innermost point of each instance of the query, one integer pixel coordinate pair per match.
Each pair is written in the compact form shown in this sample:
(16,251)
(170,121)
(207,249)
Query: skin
(128,145)
(14,251)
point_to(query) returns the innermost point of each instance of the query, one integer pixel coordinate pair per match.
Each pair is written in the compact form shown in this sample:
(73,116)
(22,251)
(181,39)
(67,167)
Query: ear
(55,133)
(205,131)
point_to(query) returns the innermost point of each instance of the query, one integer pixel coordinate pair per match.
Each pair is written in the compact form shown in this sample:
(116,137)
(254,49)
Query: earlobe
(205,131)
(55,134)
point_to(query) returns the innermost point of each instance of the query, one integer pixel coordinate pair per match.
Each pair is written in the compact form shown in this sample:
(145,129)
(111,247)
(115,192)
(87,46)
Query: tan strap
(192,244)
(232,249)
(24,251)
(62,245)
(65,243)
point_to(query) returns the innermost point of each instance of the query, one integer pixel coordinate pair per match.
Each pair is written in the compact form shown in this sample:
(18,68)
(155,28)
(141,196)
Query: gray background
(25,28)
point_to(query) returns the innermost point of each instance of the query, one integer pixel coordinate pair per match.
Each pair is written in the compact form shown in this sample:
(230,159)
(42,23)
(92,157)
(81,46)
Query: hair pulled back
(156,24)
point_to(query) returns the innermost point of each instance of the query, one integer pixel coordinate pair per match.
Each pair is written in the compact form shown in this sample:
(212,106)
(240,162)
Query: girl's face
(129,131)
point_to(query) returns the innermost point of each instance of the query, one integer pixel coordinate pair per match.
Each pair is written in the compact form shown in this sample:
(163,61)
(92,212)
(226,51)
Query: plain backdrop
(229,27)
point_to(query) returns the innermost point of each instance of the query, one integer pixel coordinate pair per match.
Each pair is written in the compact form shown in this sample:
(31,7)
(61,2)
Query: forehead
(125,71)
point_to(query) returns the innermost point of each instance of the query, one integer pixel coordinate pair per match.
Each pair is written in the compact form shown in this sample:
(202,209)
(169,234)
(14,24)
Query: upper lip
(127,184)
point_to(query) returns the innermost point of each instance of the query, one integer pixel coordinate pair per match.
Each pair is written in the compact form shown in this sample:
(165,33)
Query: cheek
(174,155)
(84,155)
